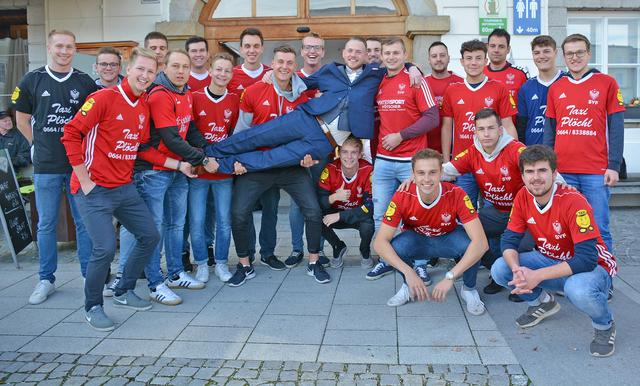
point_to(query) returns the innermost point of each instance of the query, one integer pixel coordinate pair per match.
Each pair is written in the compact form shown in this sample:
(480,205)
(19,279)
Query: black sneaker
(211,261)
(515,298)
(294,259)
(317,271)
(603,344)
(242,274)
(492,288)
(432,262)
(536,314)
(186,261)
(273,263)
(323,259)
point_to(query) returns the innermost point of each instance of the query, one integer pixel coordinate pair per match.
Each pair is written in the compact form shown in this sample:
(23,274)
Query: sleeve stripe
(91,142)
(428,95)
(608,259)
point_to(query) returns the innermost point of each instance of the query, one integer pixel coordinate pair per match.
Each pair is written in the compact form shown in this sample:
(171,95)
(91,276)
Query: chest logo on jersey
(401,88)
(510,78)
(288,109)
(488,101)
(439,101)
(227,114)
(557,227)
(446,218)
(324,175)
(594,94)
(75,94)
(504,170)
(584,221)
(141,119)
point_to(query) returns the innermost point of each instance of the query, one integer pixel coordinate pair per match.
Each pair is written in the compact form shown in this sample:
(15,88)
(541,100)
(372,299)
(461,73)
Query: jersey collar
(546,208)
(434,203)
(550,82)
(60,80)
(207,92)
(486,79)
(127,94)
(581,80)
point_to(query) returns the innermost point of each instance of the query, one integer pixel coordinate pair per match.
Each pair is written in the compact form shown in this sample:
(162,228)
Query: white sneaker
(43,289)
(202,273)
(402,297)
(184,280)
(163,295)
(222,271)
(475,306)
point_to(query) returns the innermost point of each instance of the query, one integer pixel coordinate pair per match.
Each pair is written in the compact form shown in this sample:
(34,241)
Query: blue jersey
(532,104)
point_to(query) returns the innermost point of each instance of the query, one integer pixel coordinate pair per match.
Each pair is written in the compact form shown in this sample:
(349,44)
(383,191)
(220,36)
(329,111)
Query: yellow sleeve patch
(88,105)
(584,221)
(15,95)
(620,98)
(324,175)
(462,154)
(391,210)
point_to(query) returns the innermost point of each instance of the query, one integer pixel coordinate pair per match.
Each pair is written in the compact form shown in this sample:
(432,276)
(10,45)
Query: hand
(417,290)
(525,281)
(441,289)
(187,170)
(611,177)
(331,219)
(212,166)
(87,186)
(239,169)
(267,77)
(415,76)
(342,194)
(391,141)
(404,186)
(308,162)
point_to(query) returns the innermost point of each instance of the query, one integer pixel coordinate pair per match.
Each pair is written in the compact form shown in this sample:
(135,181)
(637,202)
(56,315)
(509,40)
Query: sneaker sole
(378,276)
(316,279)
(246,277)
(598,355)
(130,307)
(104,329)
(41,301)
(292,265)
(186,287)
(166,302)
(547,314)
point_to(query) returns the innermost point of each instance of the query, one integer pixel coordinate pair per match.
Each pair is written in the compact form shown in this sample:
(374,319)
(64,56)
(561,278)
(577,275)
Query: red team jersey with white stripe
(498,180)
(461,102)
(580,108)
(436,219)
(400,106)
(109,126)
(512,76)
(332,179)
(265,104)
(169,109)
(196,84)
(240,80)
(215,119)
(438,87)
(566,220)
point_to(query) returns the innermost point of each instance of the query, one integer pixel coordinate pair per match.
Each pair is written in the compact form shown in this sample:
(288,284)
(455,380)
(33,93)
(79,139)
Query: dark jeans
(268,222)
(251,186)
(97,210)
(366,228)
(494,223)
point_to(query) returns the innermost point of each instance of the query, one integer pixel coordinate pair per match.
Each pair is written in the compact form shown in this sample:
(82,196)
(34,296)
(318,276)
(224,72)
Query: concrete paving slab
(265,274)
(358,317)
(215,334)
(294,329)
(192,300)
(360,338)
(63,345)
(300,303)
(434,331)
(65,297)
(161,326)
(203,350)
(118,315)
(439,355)
(497,356)
(365,292)
(489,338)
(75,330)
(251,291)
(299,281)
(358,354)
(11,276)
(230,314)
(14,342)
(132,347)
(32,321)
(451,307)
(280,352)
(11,304)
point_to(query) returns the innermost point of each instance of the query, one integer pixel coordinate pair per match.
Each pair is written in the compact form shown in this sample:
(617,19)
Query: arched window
(227,9)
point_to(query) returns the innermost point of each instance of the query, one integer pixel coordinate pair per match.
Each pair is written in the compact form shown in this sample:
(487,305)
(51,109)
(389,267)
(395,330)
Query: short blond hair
(60,32)
(222,56)
(143,52)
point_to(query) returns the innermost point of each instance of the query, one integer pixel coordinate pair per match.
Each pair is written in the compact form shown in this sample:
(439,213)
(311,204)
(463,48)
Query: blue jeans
(468,183)
(410,246)
(597,193)
(199,189)
(49,188)
(166,195)
(588,291)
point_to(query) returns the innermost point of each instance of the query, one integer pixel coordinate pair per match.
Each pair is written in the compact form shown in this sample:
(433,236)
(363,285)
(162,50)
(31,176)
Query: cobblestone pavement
(70,369)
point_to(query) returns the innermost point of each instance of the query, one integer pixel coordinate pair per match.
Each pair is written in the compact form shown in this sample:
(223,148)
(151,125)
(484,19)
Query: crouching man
(430,211)
(570,255)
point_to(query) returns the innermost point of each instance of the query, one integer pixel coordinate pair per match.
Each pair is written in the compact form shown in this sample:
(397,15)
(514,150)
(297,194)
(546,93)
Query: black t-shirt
(52,99)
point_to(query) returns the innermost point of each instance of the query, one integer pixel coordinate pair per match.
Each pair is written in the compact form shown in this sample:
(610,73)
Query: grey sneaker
(131,301)
(366,262)
(535,314)
(603,344)
(98,319)
(338,255)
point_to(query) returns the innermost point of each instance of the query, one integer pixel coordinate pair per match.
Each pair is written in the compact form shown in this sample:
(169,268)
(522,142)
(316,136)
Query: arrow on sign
(520,29)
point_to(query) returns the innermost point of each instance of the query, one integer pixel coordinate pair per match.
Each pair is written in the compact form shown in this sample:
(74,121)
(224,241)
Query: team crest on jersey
(141,118)
(469,204)
(227,113)
(74,94)
(288,109)
(488,101)
(620,98)
(557,227)
(401,88)
(391,210)
(446,218)
(504,170)
(511,77)
(462,154)
(359,189)
(88,105)
(324,175)
(594,94)
(439,100)
(16,94)
(584,221)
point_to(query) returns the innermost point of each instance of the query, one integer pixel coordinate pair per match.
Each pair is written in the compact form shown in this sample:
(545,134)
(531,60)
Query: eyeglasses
(310,47)
(578,54)
(105,65)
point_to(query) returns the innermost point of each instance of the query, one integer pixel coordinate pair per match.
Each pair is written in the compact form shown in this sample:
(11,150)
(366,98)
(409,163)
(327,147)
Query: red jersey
(169,109)
(566,220)
(400,106)
(438,86)
(580,108)
(196,84)
(499,180)
(241,80)
(461,102)
(332,179)
(436,219)
(215,119)
(264,103)
(105,135)
(311,93)
(512,76)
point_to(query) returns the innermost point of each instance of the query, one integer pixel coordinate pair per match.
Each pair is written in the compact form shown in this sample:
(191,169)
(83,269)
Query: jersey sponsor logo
(15,95)
(488,101)
(551,250)
(84,110)
(119,117)
(45,93)
(391,210)
(562,96)
(534,97)
(469,204)
(584,221)
(202,113)
(266,103)
(531,221)
(461,101)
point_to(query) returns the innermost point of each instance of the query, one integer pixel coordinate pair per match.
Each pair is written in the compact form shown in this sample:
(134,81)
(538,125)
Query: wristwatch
(205,161)
(449,275)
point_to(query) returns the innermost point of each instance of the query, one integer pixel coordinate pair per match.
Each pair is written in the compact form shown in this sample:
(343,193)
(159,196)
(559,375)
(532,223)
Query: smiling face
(354,54)
(108,67)
(350,155)
(199,55)
(498,49)
(438,59)
(61,48)
(488,131)
(544,57)
(221,72)
(284,66)
(251,49)
(374,51)
(141,73)
(312,50)
(177,69)
(427,173)
(393,57)
(473,62)
(538,178)
(576,56)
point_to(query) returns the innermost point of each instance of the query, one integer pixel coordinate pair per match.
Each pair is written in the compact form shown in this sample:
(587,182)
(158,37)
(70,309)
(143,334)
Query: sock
(465,288)
(543,298)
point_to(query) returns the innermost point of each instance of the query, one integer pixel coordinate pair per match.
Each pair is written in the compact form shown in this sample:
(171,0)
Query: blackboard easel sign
(14,217)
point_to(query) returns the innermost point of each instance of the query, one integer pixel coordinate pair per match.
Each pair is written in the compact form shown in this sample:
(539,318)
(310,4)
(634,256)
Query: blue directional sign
(526,17)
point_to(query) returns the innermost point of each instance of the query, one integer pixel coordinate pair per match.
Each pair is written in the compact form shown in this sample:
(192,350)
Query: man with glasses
(585,126)
(108,67)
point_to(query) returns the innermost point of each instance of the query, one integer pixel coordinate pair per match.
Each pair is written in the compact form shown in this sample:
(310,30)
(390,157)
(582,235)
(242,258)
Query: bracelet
(179,163)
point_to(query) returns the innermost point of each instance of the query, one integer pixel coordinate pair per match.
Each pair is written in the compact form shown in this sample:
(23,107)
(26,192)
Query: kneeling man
(430,211)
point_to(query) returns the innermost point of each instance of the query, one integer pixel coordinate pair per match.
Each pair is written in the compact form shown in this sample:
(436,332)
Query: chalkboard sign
(14,217)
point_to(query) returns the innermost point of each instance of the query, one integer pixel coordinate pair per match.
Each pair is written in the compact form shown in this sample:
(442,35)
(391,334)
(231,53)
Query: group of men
(185,146)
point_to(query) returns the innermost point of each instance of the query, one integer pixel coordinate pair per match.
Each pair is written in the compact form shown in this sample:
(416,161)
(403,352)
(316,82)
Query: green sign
(492,14)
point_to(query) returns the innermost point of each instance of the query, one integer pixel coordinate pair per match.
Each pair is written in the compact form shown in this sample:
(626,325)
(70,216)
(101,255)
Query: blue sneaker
(381,269)
(421,270)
